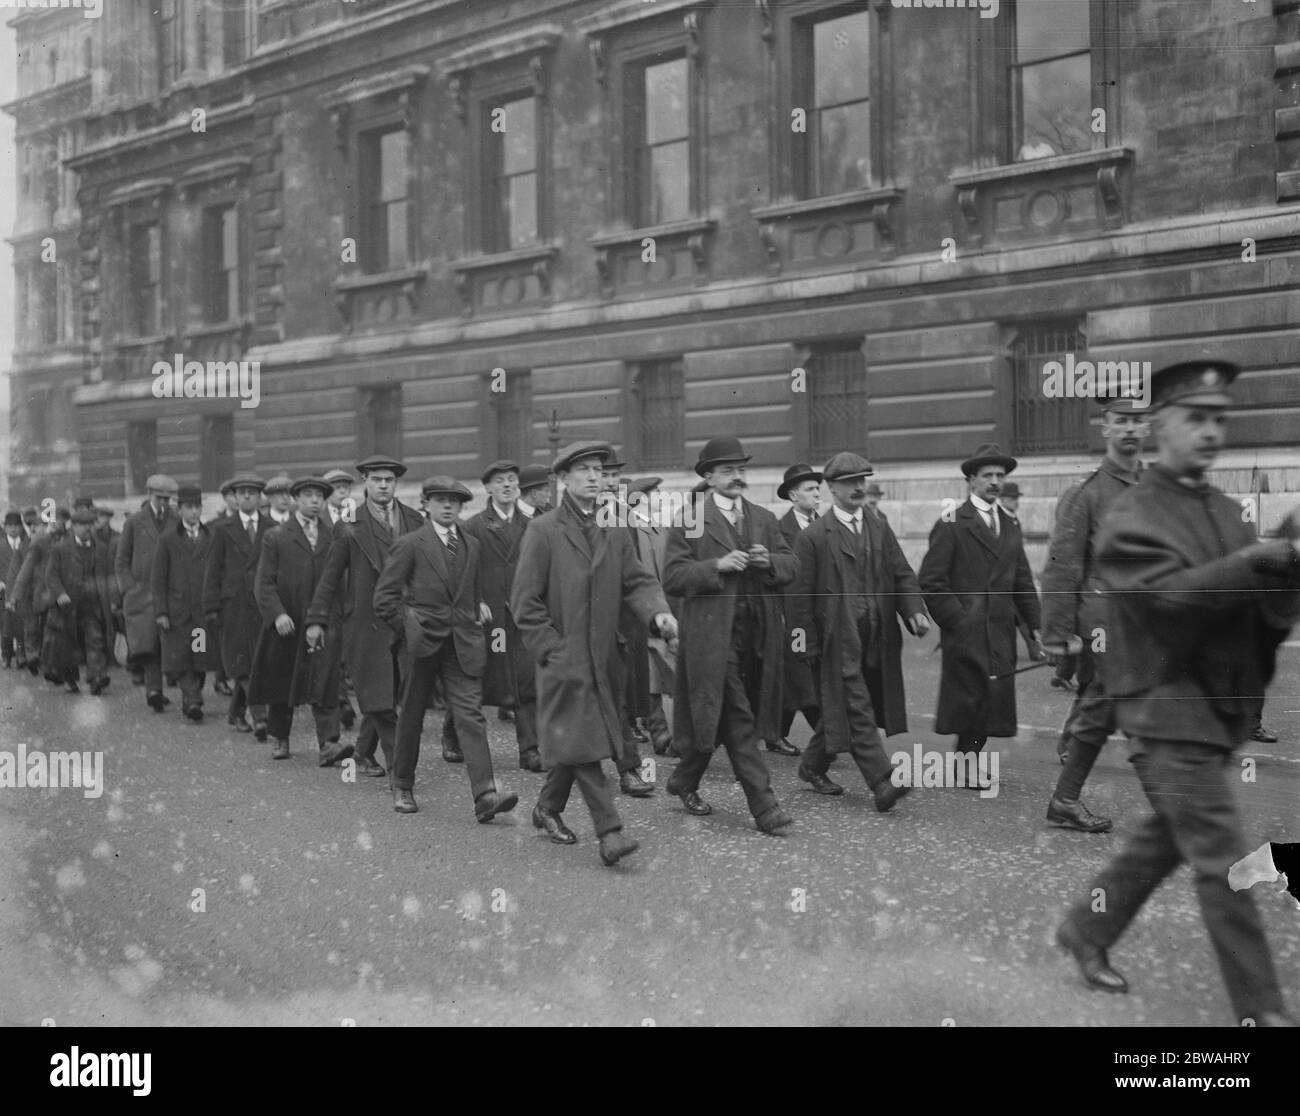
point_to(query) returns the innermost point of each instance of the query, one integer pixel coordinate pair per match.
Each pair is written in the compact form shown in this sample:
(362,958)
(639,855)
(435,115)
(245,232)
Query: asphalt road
(322,905)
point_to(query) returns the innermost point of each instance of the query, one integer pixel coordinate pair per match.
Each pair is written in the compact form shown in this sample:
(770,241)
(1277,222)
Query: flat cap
(577,450)
(499,467)
(189,494)
(446,486)
(162,484)
(531,476)
(381,461)
(340,476)
(847,466)
(1194,383)
(227,486)
(310,482)
(280,483)
(247,480)
(644,484)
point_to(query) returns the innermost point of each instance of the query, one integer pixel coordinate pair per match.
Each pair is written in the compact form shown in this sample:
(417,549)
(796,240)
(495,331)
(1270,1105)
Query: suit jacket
(800,686)
(418,597)
(974,585)
(509,675)
(83,574)
(177,588)
(229,590)
(134,568)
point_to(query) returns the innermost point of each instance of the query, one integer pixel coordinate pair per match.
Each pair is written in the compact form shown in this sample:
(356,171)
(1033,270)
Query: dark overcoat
(826,559)
(509,674)
(800,688)
(651,545)
(178,567)
(706,613)
(975,585)
(284,671)
(11,564)
(566,600)
(419,596)
(229,589)
(134,568)
(32,592)
(85,578)
(347,589)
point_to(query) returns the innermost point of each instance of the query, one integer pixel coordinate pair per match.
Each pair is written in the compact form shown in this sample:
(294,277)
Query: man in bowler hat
(802,486)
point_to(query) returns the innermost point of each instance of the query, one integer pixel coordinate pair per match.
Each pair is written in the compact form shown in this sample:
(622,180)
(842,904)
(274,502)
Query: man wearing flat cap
(80,615)
(1195,611)
(280,498)
(134,568)
(729,580)
(178,568)
(571,581)
(430,592)
(287,672)
(853,587)
(534,490)
(1074,614)
(230,596)
(220,683)
(976,580)
(802,486)
(341,508)
(347,590)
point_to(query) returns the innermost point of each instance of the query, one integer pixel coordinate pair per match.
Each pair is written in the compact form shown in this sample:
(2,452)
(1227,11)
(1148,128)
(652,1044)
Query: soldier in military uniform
(1073,614)
(1196,609)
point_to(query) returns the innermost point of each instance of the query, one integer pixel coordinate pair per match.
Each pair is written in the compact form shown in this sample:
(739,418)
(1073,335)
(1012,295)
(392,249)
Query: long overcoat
(356,559)
(509,674)
(651,546)
(84,575)
(566,600)
(229,589)
(178,568)
(800,687)
(284,671)
(11,564)
(975,585)
(706,613)
(821,609)
(32,593)
(134,568)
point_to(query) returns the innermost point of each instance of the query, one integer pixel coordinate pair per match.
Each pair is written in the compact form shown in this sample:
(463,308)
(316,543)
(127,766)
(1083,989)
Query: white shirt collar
(248,518)
(303,523)
(847,518)
(982,505)
(527,508)
(724,503)
(279,517)
(505,515)
(443,532)
(803,519)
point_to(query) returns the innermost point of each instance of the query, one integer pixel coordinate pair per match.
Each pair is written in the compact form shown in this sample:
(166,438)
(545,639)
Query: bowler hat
(990,453)
(381,461)
(446,486)
(532,476)
(281,482)
(247,480)
(575,451)
(847,466)
(13,519)
(189,494)
(1011,489)
(724,450)
(873,489)
(310,482)
(83,515)
(499,467)
(162,484)
(340,476)
(796,474)
(1194,383)
(610,463)
(83,502)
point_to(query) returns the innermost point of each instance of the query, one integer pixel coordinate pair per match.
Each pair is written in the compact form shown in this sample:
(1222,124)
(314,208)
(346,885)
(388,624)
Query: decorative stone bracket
(378,300)
(678,254)
(821,232)
(505,280)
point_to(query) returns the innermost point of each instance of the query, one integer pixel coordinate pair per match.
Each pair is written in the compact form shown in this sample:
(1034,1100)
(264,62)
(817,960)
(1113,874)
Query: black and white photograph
(650,513)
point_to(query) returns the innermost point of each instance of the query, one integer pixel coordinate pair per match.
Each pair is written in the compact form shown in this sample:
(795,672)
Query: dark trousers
(33,633)
(94,642)
(525,727)
(736,727)
(377,728)
(191,682)
(596,792)
(279,722)
(464,695)
(151,667)
(1189,787)
(866,745)
(239,701)
(968,743)
(1089,724)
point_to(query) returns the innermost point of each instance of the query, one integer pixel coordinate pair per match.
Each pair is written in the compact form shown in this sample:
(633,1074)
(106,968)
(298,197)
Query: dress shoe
(156,701)
(530,761)
(783,747)
(1061,684)
(631,783)
(639,734)
(452,755)
(72,687)
(774,821)
(370,768)
(1091,959)
(820,783)
(332,753)
(1275,1019)
(347,716)
(661,742)
(1261,735)
(614,846)
(1075,815)
(34,667)
(554,825)
(696,805)
(137,678)
(222,688)
(887,795)
(166,701)
(260,731)
(491,803)
(239,724)
(280,749)
(194,713)
(504,714)
(99,685)
(404,801)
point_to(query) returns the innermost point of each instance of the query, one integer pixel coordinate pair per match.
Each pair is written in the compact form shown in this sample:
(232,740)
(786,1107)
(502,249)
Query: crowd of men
(576,621)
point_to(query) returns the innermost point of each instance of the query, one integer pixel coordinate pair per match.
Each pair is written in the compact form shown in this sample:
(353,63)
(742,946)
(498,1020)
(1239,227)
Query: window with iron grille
(142,452)
(145,275)
(1040,424)
(221,270)
(659,413)
(1051,77)
(837,399)
(510,175)
(217,451)
(384,200)
(379,421)
(659,126)
(514,418)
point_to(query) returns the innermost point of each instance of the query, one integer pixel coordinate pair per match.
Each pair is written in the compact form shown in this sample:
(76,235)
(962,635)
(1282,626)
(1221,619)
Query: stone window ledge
(881,195)
(1051,165)
(501,48)
(530,254)
(379,299)
(693,226)
(505,280)
(681,254)
(840,228)
(379,278)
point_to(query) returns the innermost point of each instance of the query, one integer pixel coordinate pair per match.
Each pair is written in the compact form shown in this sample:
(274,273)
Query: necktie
(311,533)
(993,521)
(250,525)
(451,541)
(857,526)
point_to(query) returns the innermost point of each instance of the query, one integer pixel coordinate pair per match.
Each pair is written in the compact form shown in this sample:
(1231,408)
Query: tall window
(221,263)
(37,426)
(69,303)
(837,399)
(508,425)
(1043,425)
(384,199)
(379,420)
(510,175)
(47,279)
(659,125)
(660,413)
(1051,78)
(217,450)
(836,89)
(145,275)
(142,452)
(236,30)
